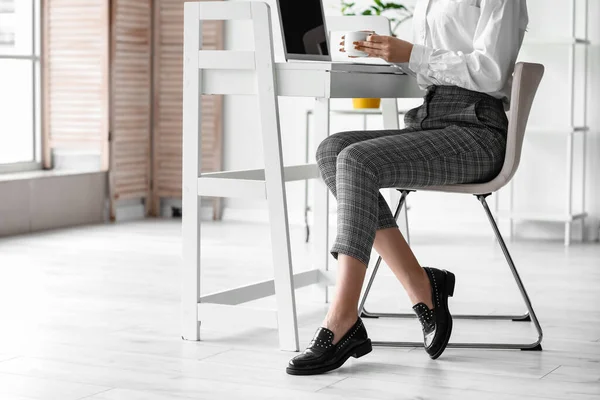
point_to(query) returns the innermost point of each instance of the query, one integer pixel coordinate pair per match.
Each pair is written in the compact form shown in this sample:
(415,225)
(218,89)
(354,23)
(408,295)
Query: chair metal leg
(516,318)
(529,316)
(366,314)
(306,156)
(537,344)
(407,226)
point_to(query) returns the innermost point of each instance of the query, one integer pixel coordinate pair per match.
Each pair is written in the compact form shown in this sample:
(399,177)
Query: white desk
(255,73)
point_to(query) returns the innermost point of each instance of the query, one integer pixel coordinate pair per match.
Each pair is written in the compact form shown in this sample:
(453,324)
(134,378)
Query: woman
(464,53)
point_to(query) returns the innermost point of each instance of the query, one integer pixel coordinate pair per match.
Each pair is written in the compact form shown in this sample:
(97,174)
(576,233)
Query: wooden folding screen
(113,71)
(168,92)
(75,78)
(131,100)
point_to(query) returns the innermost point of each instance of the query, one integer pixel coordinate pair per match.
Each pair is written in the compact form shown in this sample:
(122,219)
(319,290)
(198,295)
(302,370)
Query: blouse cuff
(419,59)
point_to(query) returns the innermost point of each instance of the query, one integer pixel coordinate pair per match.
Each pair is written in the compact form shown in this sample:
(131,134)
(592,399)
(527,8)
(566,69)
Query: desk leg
(321,195)
(280,243)
(269,125)
(280,240)
(389,110)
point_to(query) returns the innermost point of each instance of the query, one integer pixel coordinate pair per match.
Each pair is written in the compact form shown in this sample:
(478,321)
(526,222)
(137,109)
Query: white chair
(527,78)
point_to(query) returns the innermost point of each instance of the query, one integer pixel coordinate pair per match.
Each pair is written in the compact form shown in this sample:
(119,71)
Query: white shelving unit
(570,214)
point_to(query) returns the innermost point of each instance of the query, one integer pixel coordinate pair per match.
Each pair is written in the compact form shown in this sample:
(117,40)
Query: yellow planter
(366,103)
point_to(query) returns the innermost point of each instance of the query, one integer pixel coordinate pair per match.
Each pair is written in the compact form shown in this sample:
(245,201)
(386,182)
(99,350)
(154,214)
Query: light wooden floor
(93,313)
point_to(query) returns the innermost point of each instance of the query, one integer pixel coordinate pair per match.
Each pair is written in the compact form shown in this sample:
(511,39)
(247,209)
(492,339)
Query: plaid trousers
(456,136)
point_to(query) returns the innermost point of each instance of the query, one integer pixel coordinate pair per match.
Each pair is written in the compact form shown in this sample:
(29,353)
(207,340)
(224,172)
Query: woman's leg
(343,311)
(327,157)
(397,254)
(392,246)
(406,159)
(412,159)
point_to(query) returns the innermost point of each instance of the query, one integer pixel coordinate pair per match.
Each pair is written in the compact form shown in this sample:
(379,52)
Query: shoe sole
(449,290)
(358,351)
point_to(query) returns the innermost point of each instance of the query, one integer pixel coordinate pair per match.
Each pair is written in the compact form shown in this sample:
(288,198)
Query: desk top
(368,68)
(318,79)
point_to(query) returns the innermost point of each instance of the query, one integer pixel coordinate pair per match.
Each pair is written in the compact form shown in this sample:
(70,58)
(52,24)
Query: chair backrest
(526,80)
(338,24)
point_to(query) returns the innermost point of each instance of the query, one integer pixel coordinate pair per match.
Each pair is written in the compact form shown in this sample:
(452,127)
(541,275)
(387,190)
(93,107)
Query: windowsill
(40,174)
(38,200)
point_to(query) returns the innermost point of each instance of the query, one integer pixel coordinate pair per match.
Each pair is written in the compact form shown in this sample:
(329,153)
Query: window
(19,85)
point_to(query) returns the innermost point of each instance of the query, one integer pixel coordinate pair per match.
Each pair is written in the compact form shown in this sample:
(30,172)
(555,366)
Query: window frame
(36,105)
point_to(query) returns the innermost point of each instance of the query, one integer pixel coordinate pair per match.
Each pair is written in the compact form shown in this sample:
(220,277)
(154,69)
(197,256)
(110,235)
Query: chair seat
(470,188)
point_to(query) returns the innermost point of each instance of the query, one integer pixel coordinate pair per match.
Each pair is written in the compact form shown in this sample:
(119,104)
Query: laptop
(306,38)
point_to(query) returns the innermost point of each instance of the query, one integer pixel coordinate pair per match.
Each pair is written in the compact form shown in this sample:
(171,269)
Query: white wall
(541,181)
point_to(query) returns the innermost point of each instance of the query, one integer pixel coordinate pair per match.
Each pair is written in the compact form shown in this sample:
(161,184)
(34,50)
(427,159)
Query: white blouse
(468,43)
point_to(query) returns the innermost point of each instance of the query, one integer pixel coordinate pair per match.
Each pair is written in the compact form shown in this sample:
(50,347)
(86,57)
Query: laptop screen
(304,31)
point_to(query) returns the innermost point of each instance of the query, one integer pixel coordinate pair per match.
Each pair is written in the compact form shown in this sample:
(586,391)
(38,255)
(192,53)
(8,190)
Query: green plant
(397,13)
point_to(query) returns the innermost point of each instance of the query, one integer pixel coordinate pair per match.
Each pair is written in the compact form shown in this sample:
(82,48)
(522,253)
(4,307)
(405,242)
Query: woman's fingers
(372,52)
(377,54)
(375,46)
(369,45)
(377,38)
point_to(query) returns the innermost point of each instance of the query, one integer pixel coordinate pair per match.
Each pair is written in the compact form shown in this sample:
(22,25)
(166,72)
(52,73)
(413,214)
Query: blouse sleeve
(497,38)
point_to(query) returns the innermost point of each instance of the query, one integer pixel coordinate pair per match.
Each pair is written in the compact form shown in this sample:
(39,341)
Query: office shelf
(542,216)
(555,41)
(561,130)
(569,216)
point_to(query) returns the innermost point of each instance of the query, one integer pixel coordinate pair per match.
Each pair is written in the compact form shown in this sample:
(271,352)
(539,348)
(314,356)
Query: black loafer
(437,323)
(322,355)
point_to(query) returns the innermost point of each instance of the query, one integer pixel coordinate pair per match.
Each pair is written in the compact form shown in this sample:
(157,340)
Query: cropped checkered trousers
(455,136)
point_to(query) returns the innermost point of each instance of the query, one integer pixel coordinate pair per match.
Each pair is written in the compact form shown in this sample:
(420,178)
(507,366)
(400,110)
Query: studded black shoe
(437,323)
(322,355)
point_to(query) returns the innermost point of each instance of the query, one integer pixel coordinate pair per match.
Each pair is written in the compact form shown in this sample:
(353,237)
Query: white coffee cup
(351,37)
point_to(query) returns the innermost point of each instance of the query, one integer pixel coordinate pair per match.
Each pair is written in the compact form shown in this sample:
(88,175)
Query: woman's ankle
(420,291)
(339,323)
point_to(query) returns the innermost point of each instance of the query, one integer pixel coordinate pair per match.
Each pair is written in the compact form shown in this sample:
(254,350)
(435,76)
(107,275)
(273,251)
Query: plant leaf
(367,12)
(347,8)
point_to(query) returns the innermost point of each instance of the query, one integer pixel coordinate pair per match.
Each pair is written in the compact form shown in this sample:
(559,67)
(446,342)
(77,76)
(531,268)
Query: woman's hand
(391,49)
